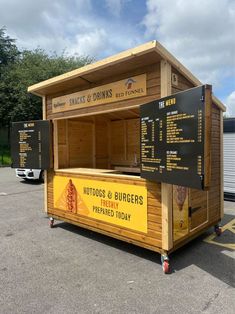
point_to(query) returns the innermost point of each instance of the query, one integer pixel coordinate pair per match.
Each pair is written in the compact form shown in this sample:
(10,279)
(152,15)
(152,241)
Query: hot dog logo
(71,200)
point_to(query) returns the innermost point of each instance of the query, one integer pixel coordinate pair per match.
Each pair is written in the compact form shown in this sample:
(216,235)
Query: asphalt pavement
(71,270)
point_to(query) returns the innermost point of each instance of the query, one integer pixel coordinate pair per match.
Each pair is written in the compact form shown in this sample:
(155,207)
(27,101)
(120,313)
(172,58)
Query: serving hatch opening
(108,141)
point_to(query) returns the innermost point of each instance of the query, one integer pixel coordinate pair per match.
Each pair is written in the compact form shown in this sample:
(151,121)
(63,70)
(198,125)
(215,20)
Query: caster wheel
(218,231)
(166,267)
(51,223)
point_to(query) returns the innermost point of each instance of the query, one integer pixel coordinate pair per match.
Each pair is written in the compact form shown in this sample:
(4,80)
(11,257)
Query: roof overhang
(126,61)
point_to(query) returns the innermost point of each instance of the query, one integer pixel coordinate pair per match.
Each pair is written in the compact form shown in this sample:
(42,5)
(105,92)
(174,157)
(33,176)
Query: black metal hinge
(191,210)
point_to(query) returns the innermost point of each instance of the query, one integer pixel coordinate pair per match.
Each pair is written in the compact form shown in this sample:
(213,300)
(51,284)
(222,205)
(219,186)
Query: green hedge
(5,156)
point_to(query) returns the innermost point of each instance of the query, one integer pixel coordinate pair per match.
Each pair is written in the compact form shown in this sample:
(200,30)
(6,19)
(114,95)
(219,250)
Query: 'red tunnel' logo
(129,83)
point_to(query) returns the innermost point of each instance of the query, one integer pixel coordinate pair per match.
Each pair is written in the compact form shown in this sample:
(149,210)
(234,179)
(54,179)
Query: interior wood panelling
(80,138)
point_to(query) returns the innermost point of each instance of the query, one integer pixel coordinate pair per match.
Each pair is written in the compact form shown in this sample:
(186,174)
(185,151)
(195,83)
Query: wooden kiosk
(95,180)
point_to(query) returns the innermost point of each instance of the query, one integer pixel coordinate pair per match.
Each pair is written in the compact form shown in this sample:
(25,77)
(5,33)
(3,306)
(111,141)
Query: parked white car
(30,174)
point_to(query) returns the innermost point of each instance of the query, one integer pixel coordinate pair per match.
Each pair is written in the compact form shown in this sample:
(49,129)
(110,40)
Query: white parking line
(229,226)
(229,253)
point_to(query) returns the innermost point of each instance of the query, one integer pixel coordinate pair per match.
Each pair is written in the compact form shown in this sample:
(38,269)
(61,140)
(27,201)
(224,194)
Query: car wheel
(41,178)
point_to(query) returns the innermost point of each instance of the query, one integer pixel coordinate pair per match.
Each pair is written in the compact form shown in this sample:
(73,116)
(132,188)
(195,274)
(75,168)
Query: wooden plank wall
(214,197)
(182,82)
(125,142)
(101,142)
(75,143)
(133,140)
(198,199)
(117,141)
(80,139)
(63,149)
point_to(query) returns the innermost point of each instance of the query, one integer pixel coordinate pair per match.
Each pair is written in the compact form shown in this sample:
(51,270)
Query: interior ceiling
(117,115)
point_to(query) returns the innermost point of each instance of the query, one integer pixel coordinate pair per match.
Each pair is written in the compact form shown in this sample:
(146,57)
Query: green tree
(31,68)
(20,69)
(8,50)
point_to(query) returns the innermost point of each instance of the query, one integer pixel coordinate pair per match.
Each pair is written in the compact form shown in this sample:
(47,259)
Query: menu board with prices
(174,135)
(30,144)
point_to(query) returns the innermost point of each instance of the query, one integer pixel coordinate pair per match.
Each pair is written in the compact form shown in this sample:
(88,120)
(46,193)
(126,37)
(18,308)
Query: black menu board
(30,144)
(173,138)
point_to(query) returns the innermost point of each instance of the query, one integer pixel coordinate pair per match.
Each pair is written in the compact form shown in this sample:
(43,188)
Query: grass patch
(5,158)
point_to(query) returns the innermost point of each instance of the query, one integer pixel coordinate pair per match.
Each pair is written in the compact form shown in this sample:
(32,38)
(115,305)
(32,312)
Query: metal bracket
(191,210)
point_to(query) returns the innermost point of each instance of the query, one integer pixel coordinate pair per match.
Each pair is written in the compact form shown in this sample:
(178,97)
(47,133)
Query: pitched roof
(128,60)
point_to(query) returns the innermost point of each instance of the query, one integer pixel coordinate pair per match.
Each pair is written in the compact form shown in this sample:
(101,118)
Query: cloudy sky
(199,33)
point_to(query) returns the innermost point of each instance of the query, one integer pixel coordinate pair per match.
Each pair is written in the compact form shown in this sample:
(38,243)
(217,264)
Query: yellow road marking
(229,226)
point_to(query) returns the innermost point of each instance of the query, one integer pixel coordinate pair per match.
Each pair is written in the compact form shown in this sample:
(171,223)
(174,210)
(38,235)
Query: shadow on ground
(31,182)
(208,257)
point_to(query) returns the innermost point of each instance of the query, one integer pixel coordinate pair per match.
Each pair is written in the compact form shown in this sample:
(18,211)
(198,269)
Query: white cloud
(91,42)
(72,25)
(230,103)
(200,33)
(48,24)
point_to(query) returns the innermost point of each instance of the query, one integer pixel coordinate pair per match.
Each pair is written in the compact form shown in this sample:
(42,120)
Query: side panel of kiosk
(208,204)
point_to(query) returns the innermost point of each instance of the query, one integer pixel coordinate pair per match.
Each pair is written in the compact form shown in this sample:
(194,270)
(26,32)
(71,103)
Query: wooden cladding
(182,82)
(125,142)
(152,90)
(98,143)
(80,138)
